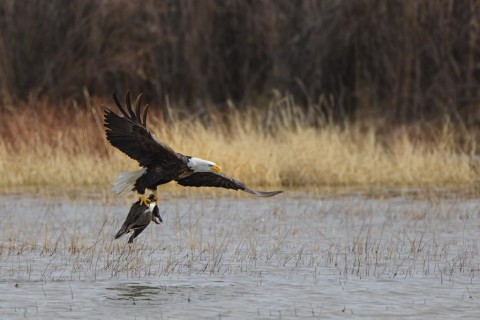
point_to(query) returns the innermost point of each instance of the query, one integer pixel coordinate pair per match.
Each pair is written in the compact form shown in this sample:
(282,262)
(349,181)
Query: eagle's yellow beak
(216,169)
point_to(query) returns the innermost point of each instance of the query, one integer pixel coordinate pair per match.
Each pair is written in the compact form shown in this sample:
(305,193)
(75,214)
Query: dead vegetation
(407,61)
(308,238)
(65,147)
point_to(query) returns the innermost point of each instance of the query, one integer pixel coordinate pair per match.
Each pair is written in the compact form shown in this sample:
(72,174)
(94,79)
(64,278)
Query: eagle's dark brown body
(158,174)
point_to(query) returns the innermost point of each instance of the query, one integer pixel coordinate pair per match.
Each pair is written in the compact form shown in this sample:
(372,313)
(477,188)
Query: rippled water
(237,258)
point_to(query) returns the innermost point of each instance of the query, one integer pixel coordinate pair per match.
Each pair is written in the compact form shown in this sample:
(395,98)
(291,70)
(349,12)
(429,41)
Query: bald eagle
(159,163)
(138,219)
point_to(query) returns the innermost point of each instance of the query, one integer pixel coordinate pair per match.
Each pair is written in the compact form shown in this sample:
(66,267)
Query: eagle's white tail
(126,180)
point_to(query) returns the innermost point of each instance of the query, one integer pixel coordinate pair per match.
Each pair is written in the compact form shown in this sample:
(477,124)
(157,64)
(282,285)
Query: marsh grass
(343,238)
(280,146)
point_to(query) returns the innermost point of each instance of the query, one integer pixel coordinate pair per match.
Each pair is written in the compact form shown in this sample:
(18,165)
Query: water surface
(237,258)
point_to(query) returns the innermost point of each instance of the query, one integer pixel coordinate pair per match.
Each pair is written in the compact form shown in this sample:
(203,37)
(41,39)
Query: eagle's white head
(200,165)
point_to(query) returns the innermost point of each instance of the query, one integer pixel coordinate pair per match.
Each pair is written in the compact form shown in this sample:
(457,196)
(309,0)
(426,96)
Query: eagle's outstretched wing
(130,135)
(210,179)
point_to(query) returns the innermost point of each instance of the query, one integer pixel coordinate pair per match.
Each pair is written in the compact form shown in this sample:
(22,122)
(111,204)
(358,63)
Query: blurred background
(400,60)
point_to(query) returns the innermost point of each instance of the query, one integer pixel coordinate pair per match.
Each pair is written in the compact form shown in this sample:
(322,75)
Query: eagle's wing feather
(130,135)
(210,179)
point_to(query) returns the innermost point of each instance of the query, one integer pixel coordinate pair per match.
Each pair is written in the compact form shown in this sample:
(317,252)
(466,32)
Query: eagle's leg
(155,195)
(144,201)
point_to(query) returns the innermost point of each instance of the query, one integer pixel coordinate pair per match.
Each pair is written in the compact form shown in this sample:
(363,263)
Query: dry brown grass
(65,147)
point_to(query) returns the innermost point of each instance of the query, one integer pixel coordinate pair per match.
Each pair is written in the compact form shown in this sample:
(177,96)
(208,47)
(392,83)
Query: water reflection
(136,292)
(150,293)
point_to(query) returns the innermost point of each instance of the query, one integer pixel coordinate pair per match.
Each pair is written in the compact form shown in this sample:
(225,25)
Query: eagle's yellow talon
(144,200)
(155,195)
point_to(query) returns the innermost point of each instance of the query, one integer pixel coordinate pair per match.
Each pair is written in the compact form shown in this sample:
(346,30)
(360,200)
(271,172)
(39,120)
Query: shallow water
(237,258)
